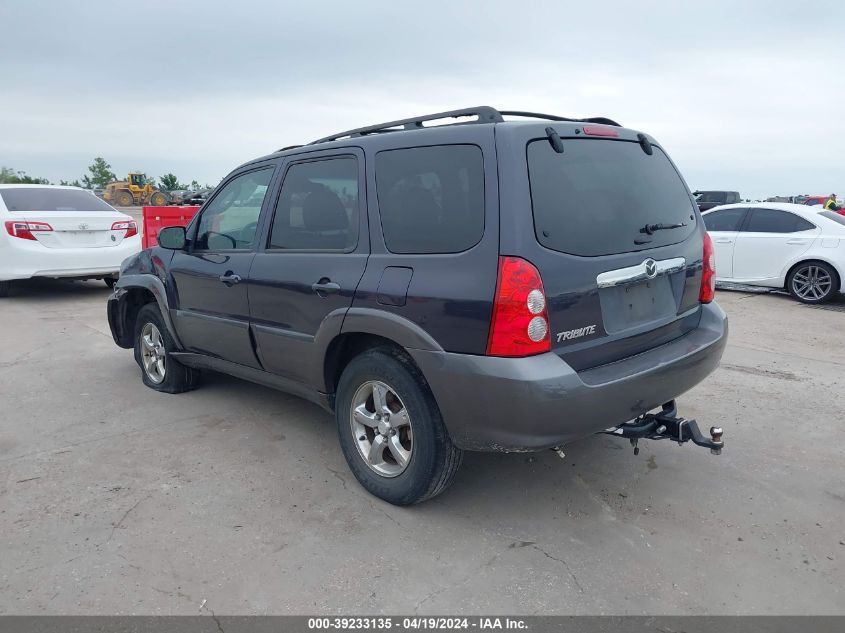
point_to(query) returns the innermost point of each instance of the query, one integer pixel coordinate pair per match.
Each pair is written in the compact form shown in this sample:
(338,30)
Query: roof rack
(483,114)
(553,117)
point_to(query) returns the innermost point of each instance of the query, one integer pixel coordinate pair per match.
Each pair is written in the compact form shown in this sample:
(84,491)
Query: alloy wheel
(381,428)
(811,282)
(153,354)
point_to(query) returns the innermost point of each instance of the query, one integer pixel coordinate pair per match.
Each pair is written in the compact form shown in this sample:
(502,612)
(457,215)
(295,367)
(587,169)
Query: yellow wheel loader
(135,191)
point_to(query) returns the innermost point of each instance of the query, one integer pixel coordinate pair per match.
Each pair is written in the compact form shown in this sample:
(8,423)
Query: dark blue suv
(491,285)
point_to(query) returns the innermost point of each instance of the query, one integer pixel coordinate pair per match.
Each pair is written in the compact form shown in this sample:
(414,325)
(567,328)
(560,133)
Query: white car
(779,245)
(50,231)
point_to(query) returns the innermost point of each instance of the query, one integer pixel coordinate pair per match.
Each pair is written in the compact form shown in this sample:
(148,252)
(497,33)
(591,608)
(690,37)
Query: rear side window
(598,195)
(774,221)
(49,199)
(431,199)
(725,220)
(318,207)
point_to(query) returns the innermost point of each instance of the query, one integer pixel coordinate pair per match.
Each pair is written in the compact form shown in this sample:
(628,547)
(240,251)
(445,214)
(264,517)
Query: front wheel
(813,282)
(153,346)
(391,431)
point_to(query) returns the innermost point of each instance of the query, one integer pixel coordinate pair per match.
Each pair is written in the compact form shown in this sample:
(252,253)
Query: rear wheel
(391,430)
(158,199)
(124,199)
(153,346)
(5,286)
(813,282)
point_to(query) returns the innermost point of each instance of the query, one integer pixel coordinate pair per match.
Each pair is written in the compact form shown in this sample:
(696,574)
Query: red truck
(813,201)
(156,218)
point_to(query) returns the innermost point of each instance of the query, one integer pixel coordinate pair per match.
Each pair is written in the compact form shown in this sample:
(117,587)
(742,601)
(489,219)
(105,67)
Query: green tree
(68,183)
(169,182)
(11,177)
(101,174)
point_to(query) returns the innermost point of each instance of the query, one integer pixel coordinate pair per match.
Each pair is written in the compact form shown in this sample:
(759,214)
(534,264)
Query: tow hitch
(666,425)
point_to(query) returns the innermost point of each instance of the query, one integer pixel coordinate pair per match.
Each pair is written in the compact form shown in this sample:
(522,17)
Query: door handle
(796,242)
(230,278)
(723,240)
(325,286)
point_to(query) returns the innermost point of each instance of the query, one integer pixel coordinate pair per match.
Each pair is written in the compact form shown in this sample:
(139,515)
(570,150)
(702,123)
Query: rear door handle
(325,286)
(796,242)
(230,278)
(723,240)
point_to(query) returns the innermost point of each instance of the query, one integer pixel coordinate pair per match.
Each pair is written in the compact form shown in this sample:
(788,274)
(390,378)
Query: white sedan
(777,245)
(50,231)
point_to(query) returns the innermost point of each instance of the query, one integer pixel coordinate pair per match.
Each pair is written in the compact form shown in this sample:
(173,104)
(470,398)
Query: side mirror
(172,237)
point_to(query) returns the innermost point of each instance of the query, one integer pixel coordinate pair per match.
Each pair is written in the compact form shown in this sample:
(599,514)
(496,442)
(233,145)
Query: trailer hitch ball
(716,436)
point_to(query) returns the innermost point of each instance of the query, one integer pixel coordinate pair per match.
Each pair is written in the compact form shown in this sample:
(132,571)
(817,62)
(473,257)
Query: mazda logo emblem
(83,226)
(650,268)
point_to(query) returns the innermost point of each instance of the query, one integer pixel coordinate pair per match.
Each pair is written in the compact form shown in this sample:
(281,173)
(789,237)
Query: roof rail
(484,114)
(553,117)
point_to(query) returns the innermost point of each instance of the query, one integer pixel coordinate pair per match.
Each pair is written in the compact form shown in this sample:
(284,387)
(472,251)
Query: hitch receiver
(666,425)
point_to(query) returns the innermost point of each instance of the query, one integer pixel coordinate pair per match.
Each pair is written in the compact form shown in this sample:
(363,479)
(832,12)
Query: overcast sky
(746,96)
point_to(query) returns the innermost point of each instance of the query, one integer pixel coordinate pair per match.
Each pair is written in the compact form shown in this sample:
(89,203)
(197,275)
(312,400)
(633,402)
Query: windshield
(50,199)
(598,197)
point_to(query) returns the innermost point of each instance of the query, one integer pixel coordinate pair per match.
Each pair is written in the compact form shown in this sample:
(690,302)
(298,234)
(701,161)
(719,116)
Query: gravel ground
(234,498)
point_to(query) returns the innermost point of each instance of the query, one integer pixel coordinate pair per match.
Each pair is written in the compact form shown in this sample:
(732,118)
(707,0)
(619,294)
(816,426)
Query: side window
(318,206)
(230,220)
(725,220)
(774,221)
(431,199)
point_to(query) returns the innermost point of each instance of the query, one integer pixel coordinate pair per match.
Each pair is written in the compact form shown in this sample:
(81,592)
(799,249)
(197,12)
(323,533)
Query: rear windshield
(46,199)
(597,197)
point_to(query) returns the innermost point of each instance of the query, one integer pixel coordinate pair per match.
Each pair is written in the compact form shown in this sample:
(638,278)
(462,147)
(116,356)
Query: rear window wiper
(649,229)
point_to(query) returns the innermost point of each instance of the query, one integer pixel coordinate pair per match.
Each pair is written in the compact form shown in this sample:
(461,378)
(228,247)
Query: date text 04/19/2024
(416,623)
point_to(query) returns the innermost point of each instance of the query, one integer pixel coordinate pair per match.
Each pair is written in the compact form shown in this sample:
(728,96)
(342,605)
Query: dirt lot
(117,499)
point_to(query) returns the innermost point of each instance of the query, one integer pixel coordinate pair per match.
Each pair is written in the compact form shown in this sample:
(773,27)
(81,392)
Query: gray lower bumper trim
(524,404)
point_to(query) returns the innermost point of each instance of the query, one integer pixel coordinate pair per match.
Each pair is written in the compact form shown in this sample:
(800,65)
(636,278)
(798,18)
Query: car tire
(813,282)
(153,348)
(5,287)
(415,435)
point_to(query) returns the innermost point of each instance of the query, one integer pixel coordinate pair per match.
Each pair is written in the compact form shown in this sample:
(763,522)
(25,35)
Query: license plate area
(631,305)
(82,238)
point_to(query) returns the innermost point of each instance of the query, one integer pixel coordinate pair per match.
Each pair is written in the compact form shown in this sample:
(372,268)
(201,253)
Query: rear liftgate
(666,425)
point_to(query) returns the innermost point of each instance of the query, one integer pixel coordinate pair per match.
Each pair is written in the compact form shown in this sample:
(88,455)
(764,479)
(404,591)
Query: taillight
(131,228)
(600,130)
(708,273)
(520,325)
(25,230)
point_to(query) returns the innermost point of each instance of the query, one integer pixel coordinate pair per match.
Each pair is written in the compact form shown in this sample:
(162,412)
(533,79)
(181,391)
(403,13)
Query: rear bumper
(30,259)
(524,404)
